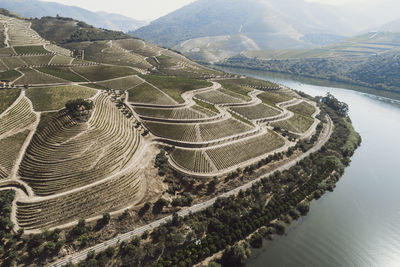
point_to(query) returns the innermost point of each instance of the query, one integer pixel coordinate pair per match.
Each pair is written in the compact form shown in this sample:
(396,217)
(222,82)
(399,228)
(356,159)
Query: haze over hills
(35,8)
(209,30)
(393,26)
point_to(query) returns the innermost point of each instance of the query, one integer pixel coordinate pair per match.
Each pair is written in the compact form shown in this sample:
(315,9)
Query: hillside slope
(370,60)
(37,9)
(232,26)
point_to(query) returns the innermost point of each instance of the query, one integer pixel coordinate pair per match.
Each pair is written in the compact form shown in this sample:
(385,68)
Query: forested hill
(65,30)
(37,9)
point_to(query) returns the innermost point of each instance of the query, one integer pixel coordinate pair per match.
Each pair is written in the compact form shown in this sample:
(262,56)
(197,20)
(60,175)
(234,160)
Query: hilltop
(38,9)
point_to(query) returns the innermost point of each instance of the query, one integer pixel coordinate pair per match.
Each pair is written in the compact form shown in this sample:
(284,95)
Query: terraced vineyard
(124,83)
(35,77)
(8,97)
(192,160)
(62,73)
(273,98)
(144,97)
(175,86)
(51,162)
(303,108)
(28,50)
(236,153)
(109,53)
(10,148)
(148,94)
(55,97)
(17,118)
(180,132)
(217,130)
(168,113)
(111,195)
(218,97)
(256,112)
(295,124)
(103,73)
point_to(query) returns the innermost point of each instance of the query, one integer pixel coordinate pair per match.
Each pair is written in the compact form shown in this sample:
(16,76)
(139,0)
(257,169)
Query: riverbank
(258,73)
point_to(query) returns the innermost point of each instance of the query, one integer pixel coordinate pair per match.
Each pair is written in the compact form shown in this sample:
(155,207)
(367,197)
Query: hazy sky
(152,9)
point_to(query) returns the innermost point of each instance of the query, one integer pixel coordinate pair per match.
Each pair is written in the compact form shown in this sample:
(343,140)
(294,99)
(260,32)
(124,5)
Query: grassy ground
(61,60)
(303,108)
(175,86)
(37,60)
(297,123)
(9,75)
(218,97)
(182,132)
(176,113)
(256,112)
(273,98)
(93,85)
(63,73)
(7,97)
(233,154)
(13,62)
(206,105)
(10,147)
(235,85)
(221,129)
(241,119)
(54,98)
(102,73)
(34,77)
(145,93)
(122,84)
(34,49)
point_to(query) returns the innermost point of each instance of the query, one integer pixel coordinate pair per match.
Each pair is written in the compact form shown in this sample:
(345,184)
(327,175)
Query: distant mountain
(393,26)
(37,9)
(65,30)
(213,29)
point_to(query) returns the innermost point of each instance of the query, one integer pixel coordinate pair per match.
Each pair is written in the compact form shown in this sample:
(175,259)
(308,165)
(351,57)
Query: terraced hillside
(139,97)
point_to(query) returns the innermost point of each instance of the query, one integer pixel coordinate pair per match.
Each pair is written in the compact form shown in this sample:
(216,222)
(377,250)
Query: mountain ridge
(268,24)
(35,8)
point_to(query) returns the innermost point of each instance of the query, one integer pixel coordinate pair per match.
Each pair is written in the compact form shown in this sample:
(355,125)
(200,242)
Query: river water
(359,223)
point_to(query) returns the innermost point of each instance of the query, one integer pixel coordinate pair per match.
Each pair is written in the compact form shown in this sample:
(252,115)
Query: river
(359,223)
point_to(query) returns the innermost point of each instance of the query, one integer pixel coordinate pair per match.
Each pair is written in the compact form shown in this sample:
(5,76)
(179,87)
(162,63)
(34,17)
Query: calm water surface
(359,223)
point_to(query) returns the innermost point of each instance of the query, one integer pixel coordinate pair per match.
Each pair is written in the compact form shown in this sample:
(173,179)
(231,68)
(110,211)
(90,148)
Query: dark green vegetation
(63,73)
(37,49)
(9,75)
(206,105)
(145,93)
(269,205)
(175,86)
(8,96)
(79,108)
(54,98)
(65,30)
